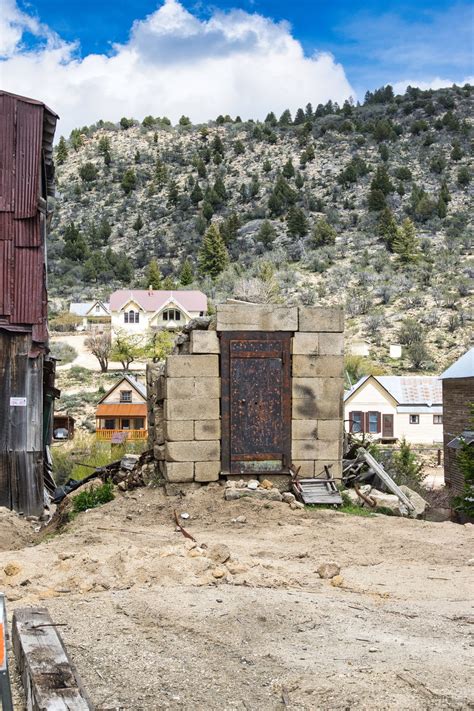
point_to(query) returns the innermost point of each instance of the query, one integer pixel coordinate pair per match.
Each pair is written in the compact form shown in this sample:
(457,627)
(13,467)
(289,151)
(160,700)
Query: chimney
(150,290)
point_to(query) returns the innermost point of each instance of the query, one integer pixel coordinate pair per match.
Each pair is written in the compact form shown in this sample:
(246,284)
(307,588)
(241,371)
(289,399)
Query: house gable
(126,383)
(370,393)
(169,303)
(131,304)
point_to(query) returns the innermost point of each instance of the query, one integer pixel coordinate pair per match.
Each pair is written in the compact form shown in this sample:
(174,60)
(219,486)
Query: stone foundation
(184,395)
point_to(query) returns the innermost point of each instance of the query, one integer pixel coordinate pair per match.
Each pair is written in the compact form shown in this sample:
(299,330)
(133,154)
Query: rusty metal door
(256,402)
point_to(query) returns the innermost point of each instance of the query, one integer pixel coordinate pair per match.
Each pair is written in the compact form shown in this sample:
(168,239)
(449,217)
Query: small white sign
(18,402)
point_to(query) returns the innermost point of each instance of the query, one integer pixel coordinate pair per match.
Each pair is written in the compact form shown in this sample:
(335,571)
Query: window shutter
(351,421)
(365,419)
(379,422)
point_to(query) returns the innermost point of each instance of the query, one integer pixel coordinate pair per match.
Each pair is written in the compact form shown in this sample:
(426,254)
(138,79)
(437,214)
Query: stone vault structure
(255,392)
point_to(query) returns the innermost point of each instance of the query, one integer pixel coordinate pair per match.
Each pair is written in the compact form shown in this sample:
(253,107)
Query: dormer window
(125,396)
(172,315)
(131,317)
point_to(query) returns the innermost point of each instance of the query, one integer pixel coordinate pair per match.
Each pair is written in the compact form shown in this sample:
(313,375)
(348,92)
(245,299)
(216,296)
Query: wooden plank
(387,480)
(50,681)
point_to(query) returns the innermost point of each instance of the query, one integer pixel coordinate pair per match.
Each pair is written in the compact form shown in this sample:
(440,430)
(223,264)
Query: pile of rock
(259,490)
(135,470)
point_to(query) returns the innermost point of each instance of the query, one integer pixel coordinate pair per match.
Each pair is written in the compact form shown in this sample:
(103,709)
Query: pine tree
(299,180)
(457,152)
(406,243)
(75,246)
(309,112)
(229,228)
(61,153)
(161,173)
(296,222)
(288,169)
(153,275)
(213,256)
(299,117)
(173,193)
(266,234)
(381,181)
(285,118)
(129,181)
(387,227)
(442,208)
(138,224)
(196,194)
(186,276)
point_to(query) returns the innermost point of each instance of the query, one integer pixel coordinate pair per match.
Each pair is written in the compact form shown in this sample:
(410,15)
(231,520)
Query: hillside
(311,208)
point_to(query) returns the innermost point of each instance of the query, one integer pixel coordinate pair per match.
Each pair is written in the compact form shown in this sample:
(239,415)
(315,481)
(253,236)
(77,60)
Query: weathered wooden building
(26,375)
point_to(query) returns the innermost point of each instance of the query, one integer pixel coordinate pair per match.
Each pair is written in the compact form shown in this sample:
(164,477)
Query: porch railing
(131,434)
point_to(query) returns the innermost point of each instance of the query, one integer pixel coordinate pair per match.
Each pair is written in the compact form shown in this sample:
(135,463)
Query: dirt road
(155,623)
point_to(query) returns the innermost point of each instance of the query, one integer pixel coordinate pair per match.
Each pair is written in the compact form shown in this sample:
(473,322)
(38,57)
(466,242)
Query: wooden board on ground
(318,491)
(51,683)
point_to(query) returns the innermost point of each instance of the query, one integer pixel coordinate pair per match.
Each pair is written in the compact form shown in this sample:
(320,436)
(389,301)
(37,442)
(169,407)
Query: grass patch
(93,497)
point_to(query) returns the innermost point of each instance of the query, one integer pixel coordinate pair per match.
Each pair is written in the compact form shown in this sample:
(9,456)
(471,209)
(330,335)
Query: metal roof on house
(82,308)
(154,300)
(407,390)
(121,410)
(462,368)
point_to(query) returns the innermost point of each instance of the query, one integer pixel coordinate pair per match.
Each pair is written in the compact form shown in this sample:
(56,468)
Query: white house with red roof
(391,407)
(136,311)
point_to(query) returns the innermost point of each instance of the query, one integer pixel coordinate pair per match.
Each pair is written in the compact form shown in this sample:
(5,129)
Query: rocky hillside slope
(311,207)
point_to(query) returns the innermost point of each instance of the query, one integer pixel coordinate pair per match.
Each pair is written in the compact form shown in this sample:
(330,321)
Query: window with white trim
(414,419)
(125,396)
(372,422)
(172,315)
(356,422)
(131,316)
(437,419)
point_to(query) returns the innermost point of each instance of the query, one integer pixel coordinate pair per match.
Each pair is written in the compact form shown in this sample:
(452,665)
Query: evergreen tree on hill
(213,256)
(153,275)
(186,275)
(405,244)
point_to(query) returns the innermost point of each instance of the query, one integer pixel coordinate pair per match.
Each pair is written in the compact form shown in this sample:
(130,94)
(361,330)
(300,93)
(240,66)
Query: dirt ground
(153,622)
(84,357)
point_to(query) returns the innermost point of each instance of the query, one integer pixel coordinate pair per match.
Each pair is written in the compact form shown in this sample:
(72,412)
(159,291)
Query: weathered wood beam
(50,681)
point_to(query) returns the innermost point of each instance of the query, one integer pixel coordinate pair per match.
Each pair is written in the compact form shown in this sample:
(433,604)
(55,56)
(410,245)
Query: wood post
(50,681)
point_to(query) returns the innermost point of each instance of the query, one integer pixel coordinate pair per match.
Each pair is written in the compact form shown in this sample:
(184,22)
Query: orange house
(122,411)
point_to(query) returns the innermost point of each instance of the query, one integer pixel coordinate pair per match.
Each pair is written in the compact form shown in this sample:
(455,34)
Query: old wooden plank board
(51,683)
(318,491)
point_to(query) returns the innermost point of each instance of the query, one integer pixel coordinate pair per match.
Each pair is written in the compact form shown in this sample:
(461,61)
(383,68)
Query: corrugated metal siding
(29,138)
(6,277)
(121,410)
(26,132)
(7,152)
(27,286)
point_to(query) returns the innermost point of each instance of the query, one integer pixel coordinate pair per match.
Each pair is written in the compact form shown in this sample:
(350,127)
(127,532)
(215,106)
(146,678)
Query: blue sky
(104,58)
(376,42)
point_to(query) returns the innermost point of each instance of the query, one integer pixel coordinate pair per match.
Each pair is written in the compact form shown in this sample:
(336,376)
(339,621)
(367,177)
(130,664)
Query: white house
(89,310)
(122,411)
(391,407)
(137,311)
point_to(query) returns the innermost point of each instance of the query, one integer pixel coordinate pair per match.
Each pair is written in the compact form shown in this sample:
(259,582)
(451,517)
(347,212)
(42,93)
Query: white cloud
(400,87)
(173,63)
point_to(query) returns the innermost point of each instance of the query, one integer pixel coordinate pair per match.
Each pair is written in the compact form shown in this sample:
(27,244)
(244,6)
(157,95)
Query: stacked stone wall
(184,395)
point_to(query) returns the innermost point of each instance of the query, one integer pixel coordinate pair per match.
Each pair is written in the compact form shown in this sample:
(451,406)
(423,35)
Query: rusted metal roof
(120,410)
(26,153)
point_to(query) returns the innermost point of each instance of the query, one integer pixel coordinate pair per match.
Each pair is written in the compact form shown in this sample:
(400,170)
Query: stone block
(178,471)
(187,388)
(330,429)
(159,452)
(178,430)
(207,471)
(322,366)
(316,449)
(256,317)
(160,388)
(331,344)
(159,433)
(195,409)
(307,467)
(304,429)
(185,366)
(305,344)
(207,429)
(204,451)
(317,398)
(204,342)
(321,318)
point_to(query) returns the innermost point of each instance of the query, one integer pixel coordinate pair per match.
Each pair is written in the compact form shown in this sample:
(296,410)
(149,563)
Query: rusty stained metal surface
(256,401)
(26,135)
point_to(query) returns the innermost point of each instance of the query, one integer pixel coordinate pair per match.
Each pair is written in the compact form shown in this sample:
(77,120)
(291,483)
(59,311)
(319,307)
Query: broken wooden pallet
(51,683)
(317,491)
